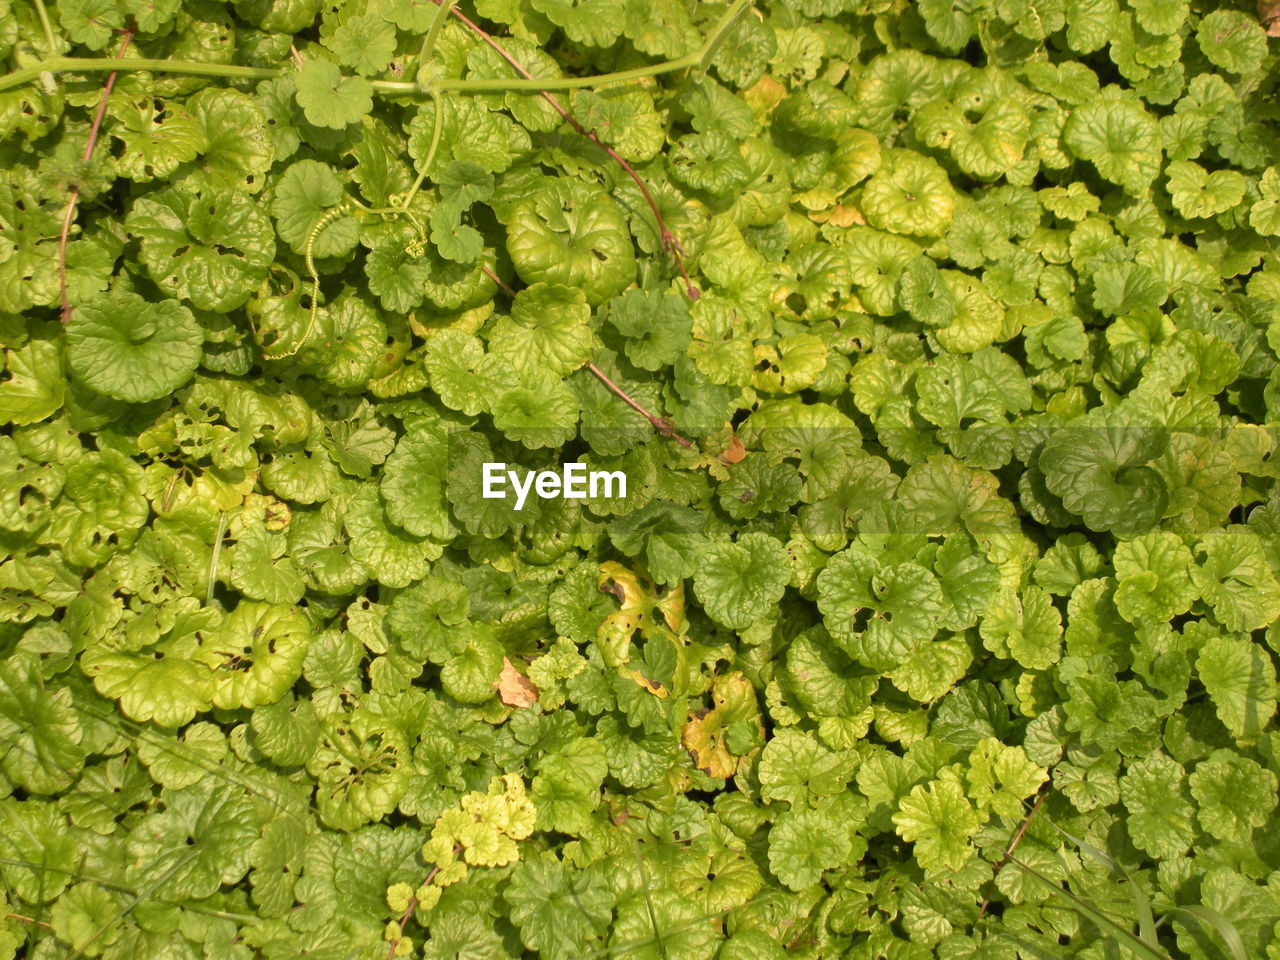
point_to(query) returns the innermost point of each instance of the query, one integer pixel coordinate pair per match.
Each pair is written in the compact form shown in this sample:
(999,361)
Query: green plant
(936,343)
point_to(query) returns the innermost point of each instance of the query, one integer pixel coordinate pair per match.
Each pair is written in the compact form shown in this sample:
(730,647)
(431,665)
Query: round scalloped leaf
(537,411)
(740,583)
(1232,40)
(594,22)
(238,149)
(348,342)
(1153,574)
(305,193)
(986,136)
(40,732)
(805,842)
(1118,137)
(1199,193)
(939,819)
(1236,795)
(1159,820)
(549,328)
(164,684)
(256,654)
(624,118)
(362,769)
(125,347)
(879,612)
(909,194)
(328,99)
(560,911)
(471,676)
(1098,465)
(574,234)
(211,246)
(413,482)
(34,383)
(656,326)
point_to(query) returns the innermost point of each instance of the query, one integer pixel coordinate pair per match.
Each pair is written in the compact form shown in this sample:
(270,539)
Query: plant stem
(1013,844)
(662,426)
(433,33)
(506,287)
(669,240)
(20,918)
(413,905)
(46,26)
(488,84)
(112,64)
(394,87)
(431,149)
(69,214)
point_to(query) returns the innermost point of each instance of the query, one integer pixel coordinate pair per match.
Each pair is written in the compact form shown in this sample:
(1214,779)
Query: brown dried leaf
(514,688)
(734,452)
(1269,15)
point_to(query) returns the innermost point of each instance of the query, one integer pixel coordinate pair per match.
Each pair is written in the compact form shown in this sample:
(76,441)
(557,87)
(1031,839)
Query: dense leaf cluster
(964,492)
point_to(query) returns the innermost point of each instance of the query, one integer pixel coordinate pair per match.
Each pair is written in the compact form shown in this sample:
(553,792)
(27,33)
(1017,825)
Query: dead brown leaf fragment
(514,688)
(1269,16)
(734,452)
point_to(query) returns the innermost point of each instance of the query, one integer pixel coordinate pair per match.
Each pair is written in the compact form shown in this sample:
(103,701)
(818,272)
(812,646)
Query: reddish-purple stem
(506,287)
(669,240)
(413,905)
(664,427)
(69,215)
(1013,844)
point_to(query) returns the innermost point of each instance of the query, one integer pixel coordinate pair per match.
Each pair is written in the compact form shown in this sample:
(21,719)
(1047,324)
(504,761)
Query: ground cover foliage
(939,619)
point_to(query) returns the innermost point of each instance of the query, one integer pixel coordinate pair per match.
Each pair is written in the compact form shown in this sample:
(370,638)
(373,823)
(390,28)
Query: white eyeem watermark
(573,482)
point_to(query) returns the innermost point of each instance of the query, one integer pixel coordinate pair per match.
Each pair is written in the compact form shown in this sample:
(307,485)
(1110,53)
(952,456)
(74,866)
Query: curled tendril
(329,216)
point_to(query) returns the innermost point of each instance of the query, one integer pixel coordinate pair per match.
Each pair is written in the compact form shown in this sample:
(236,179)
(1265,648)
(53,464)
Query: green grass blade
(1225,929)
(1130,939)
(1141,902)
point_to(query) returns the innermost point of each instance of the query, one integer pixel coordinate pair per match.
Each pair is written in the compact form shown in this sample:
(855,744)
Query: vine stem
(662,426)
(113,64)
(669,240)
(506,287)
(25,919)
(413,905)
(43,15)
(69,214)
(1013,844)
(700,58)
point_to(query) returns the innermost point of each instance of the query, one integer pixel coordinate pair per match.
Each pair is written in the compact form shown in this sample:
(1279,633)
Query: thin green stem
(433,33)
(391,87)
(721,31)
(109,64)
(431,149)
(49,36)
(565,83)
